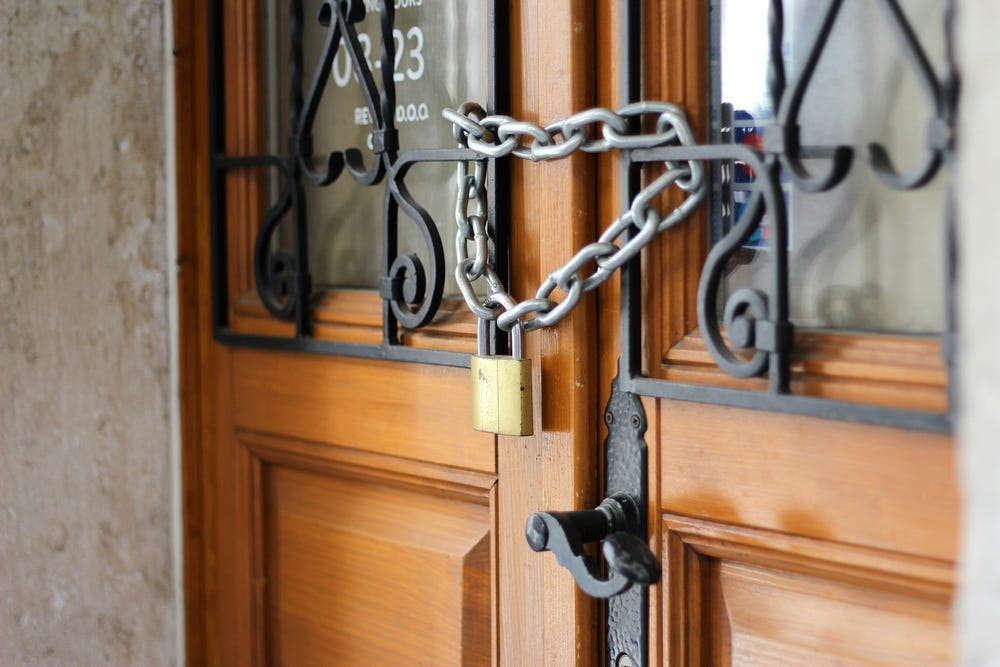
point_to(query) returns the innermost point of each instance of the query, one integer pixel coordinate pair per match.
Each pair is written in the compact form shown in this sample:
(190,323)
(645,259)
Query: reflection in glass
(862,256)
(440,62)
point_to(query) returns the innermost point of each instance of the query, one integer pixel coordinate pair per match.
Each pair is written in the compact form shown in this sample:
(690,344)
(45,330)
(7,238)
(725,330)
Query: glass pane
(441,61)
(862,256)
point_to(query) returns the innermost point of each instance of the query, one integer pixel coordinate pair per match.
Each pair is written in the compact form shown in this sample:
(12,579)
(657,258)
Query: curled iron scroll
(789,103)
(339,18)
(275,271)
(413,287)
(938,129)
(303,131)
(418,301)
(744,308)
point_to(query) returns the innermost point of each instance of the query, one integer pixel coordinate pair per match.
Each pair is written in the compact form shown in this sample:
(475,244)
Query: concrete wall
(979,298)
(85,513)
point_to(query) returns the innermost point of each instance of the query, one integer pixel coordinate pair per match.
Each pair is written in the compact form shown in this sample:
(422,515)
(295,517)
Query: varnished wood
(843,527)
(406,473)
(887,488)
(242,134)
(544,618)
(744,506)
(229,470)
(290,411)
(845,625)
(749,596)
(931,579)
(897,371)
(676,64)
(244,189)
(369,573)
(835,527)
(234,562)
(658,648)
(352,542)
(402,409)
(191,137)
(608,204)
(419,462)
(355,316)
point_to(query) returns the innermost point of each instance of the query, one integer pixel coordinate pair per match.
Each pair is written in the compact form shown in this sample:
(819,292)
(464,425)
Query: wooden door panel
(751,597)
(364,571)
(393,408)
(795,540)
(771,617)
(859,484)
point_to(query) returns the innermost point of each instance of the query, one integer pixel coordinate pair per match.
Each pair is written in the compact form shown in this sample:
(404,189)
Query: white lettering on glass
(361,116)
(410,46)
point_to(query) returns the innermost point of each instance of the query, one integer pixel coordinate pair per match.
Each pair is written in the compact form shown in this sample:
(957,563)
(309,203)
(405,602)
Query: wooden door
(788,539)
(341,510)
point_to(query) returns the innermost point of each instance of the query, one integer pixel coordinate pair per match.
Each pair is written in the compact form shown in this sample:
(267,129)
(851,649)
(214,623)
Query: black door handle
(617,521)
(629,565)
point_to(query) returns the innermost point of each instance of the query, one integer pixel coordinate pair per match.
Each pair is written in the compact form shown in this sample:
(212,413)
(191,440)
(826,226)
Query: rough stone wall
(85,540)
(979,422)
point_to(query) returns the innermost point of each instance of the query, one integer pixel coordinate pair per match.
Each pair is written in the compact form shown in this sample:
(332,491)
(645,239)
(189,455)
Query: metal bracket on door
(620,521)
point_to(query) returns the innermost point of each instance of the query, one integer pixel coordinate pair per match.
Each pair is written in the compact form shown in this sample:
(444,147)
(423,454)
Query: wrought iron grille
(411,292)
(751,334)
(758,319)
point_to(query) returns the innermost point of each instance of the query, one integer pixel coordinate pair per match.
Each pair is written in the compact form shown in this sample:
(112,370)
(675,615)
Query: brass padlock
(501,387)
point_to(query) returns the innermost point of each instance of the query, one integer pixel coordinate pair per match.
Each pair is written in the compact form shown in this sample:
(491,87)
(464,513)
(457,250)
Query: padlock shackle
(516,349)
(483,347)
(502,300)
(483,337)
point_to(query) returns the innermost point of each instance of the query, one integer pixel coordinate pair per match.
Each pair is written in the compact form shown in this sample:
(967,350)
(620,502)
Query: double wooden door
(342,511)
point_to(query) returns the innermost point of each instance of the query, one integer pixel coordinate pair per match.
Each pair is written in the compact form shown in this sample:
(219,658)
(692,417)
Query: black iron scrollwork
(940,94)
(412,300)
(412,285)
(759,334)
(748,334)
(782,139)
(411,307)
(340,17)
(753,319)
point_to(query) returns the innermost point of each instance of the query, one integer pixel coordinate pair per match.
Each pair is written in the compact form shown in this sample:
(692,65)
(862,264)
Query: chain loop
(465,121)
(595,130)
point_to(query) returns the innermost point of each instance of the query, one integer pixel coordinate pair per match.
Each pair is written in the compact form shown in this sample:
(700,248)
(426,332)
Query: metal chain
(500,136)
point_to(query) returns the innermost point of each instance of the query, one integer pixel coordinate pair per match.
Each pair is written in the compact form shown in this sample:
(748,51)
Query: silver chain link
(500,136)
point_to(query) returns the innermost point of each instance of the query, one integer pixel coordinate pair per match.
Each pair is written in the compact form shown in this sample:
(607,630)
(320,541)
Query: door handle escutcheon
(630,566)
(616,521)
